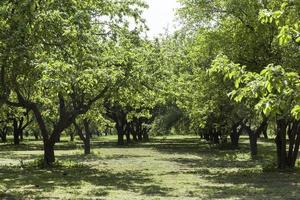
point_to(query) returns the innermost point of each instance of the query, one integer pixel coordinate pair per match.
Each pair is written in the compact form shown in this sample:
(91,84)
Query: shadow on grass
(230,175)
(247,184)
(29,182)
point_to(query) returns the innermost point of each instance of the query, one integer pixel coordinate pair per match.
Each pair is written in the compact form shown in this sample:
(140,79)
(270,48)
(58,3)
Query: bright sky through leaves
(160,16)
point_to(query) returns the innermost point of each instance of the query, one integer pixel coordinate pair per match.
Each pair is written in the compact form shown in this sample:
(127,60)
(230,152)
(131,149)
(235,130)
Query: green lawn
(176,167)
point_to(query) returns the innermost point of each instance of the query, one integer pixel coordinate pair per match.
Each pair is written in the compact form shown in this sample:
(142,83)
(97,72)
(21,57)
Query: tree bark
(4,134)
(16,132)
(281,144)
(127,133)
(253,143)
(252,139)
(85,138)
(235,136)
(87,142)
(49,157)
(296,149)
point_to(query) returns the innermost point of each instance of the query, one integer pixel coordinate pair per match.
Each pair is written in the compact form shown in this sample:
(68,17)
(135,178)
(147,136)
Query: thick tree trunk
(252,139)
(128,140)
(253,143)
(120,138)
(87,142)
(49,157)
(281,144)
(16,133)
(140,135)
(127,133)
(120,132)
(16,137)
(87,146)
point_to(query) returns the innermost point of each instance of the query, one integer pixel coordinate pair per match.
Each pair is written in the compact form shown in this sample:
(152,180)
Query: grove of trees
(77,67)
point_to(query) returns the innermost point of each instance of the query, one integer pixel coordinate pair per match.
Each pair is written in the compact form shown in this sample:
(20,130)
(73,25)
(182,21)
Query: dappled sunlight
(148,170)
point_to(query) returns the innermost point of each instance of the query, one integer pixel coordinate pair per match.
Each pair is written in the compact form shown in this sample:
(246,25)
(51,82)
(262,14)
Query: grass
(174,167)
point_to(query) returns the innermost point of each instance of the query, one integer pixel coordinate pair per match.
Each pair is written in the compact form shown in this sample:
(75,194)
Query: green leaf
(269,87)
(296,112)
(237,82)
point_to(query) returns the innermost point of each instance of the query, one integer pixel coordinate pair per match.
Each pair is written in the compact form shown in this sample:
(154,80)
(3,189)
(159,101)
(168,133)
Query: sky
(160,15)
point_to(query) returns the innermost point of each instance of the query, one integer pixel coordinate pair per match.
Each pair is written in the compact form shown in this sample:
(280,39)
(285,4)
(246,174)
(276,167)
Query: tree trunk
(16,133)
(134,136)
(21,134)
(206,134)
(253,143)
(294,141)
(292,131)
(140,136)
(16,137)
(215,137)
(127,133)
(281,144)
(4,134)
(49,157)
(120,138)
(87,141)
(145,137)
(120,132)
(128,140)
(234,137)
(296,149)
(87,146)
(4,139)
(252,139)
(72,136)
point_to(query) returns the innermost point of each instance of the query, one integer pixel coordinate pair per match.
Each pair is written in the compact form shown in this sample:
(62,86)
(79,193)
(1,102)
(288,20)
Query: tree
(274,92)
(285,15)
(60,57)
(132,102)
(83,125)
